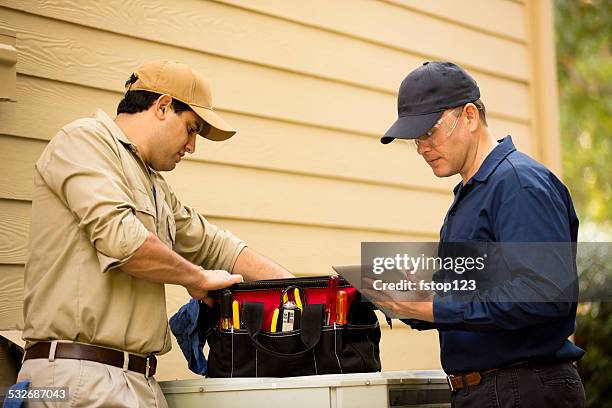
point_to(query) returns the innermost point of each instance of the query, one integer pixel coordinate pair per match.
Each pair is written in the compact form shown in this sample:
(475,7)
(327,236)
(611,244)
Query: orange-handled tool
(341,305)
(330,301)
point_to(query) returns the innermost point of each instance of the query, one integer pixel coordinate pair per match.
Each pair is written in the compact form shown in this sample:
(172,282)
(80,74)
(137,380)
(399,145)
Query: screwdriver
(298,300)
(341,307)
(226,309)
(236,314)
(330,302)
(274,321)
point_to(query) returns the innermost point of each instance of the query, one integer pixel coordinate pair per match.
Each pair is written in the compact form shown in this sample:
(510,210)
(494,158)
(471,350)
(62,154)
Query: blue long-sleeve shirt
(510,199)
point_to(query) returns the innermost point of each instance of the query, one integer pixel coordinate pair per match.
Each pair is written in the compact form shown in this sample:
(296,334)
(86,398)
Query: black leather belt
(459,381)
(76,351)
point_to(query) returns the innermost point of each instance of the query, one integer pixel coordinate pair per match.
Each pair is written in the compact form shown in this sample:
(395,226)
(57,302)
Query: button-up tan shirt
(93,205)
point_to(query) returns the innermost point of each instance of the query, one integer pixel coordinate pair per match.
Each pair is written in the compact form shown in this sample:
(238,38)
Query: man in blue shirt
(505,343)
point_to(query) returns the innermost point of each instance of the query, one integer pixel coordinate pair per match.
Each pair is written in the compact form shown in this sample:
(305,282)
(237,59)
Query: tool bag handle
(253,314)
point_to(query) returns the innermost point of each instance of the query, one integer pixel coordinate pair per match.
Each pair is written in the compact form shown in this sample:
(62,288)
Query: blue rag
(184,326)
(15,402)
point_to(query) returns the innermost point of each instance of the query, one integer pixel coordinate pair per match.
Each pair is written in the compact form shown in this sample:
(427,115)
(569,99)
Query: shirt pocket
(145,211)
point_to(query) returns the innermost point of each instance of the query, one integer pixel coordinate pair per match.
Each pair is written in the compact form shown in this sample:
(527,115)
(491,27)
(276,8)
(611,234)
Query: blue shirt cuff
(448,314)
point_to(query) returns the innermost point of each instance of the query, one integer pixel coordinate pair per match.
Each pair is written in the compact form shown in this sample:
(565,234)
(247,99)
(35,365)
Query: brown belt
(76,351)
(459,381)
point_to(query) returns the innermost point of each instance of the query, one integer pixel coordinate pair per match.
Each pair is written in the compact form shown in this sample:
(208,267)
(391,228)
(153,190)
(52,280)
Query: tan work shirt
(94,203)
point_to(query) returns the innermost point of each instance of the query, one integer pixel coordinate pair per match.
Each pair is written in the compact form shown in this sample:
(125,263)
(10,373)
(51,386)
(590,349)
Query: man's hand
(404,304)
(207,280)
(410,310)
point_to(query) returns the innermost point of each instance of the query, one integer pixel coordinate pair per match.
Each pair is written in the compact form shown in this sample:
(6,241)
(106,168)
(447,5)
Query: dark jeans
(530,385)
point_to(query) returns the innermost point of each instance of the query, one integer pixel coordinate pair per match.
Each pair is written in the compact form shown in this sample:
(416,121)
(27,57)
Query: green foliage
(584,69)
(593,334)
(594,328)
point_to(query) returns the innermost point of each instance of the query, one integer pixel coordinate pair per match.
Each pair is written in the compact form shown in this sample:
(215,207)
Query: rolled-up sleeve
(83,168)
(201,242)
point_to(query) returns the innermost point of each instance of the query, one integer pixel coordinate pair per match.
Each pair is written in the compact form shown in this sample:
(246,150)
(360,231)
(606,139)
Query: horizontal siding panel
(247,193)
(17,158)
(481,14)
(271,42)
(14,231)
(319,152)
(66,52)
(264,143)
(74,54)
(310,151)
(501,96)
(305,250)
(44,106)
(261,195)
(56,103)
(520,133)
(403,29)
(11,300)
(311,250)
(69,53)
(423,346)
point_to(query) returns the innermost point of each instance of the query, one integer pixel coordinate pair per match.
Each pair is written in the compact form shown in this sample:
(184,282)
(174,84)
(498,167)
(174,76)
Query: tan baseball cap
(184,84)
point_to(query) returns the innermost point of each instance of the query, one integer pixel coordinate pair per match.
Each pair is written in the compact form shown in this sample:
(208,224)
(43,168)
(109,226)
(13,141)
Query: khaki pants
(92,384)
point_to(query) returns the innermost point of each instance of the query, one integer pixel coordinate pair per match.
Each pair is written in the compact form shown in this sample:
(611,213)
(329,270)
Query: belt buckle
(450,383)
(147,366)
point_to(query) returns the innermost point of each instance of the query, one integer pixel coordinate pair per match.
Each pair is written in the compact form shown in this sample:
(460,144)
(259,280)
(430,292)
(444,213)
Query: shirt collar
(112,127)
(497,155)
(118,133)
(504,147)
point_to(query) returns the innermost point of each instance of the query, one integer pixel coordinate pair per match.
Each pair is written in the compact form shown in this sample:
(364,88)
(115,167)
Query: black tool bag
(315,347)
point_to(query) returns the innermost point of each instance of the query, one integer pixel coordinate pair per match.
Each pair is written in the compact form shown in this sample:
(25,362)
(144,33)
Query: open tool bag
(290,327)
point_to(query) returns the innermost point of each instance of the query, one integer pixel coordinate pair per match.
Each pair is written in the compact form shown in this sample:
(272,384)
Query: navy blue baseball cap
(425,94)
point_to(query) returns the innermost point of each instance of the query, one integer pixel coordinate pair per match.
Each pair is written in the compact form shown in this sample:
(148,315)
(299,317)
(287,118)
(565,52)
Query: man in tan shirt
(108,232)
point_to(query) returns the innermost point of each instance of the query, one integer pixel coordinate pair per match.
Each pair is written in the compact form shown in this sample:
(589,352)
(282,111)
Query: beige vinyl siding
(11,282)
(262,142)
(310,86)
(477,15)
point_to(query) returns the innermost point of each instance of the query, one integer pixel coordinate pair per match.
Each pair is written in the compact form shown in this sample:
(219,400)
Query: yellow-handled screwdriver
(298,301)
(274,321)
(236,314)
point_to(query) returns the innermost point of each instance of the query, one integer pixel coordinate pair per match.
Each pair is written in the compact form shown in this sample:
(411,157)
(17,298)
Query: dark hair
(138,101)
(482,111)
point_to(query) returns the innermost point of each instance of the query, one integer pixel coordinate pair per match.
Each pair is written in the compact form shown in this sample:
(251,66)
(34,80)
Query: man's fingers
(237,279)
(382,296)
(219,279)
